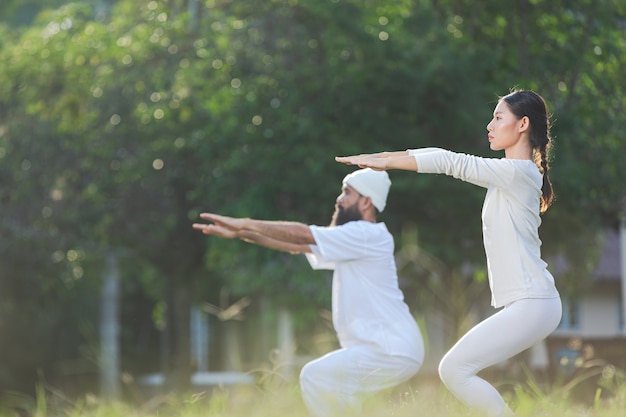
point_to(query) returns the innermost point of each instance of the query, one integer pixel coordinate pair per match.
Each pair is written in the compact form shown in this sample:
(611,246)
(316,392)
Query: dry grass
(272,397)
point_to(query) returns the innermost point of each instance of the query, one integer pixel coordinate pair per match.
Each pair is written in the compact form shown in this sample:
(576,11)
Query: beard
(343,215)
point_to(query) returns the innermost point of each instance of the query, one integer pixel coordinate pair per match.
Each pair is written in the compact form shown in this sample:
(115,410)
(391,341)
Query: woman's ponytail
(527,103)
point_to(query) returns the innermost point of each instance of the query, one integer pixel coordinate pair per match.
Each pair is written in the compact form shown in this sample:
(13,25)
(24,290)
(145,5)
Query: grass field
(576,397)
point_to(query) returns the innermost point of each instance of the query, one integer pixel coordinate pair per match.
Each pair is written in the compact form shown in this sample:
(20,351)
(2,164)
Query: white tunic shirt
(367,304)
(510,219)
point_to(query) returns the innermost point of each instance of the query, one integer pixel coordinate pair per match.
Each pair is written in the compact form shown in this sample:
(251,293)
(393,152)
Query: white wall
(600,316)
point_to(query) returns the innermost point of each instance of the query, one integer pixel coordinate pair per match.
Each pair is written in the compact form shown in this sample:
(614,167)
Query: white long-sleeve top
(367,304)
(510,218)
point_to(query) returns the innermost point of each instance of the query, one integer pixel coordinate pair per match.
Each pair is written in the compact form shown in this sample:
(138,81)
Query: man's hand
(289,237)
(224,221)
(222,226)
(216,230)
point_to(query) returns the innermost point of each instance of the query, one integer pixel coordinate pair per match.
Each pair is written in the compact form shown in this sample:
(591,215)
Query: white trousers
(335,384)
(512,330)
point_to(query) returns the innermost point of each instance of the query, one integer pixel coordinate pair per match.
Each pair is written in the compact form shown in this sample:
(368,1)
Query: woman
(518,191)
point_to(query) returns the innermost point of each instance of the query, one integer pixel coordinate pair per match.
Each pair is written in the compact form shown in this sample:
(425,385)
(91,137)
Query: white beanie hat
(372,184)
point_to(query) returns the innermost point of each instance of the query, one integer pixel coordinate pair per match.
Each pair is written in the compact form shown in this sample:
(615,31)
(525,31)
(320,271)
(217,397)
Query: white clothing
(336,383)
(372,184)
(367,305)
(510,219)
(381,344)
(512,330)
(518,277)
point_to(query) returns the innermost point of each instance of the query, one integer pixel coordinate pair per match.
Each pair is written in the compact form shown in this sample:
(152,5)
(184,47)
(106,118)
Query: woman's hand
(364,161)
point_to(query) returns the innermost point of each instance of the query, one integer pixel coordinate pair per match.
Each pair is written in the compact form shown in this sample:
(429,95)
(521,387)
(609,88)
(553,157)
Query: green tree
(116,132)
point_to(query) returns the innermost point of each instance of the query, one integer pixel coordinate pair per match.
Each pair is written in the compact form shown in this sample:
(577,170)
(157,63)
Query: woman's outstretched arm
(381,161)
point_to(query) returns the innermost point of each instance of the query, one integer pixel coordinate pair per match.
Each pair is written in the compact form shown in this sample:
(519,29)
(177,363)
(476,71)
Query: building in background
(593,326)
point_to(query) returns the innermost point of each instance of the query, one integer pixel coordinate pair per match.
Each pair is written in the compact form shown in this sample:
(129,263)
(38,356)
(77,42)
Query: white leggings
(512,330)
(334,384)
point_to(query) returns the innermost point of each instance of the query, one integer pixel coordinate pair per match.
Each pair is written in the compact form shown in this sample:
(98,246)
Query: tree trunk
(524,56)
(193,10)
(286,344)
(199,339)
(179,367)
(109,330)
(232,346)
(622,234)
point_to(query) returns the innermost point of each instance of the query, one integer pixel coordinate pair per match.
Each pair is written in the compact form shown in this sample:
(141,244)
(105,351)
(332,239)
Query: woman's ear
(524,124)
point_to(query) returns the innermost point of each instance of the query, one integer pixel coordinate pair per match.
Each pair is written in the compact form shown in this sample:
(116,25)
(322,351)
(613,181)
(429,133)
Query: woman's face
(505,128)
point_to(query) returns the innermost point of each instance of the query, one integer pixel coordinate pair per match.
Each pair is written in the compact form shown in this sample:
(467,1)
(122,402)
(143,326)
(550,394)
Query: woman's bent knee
(446,370)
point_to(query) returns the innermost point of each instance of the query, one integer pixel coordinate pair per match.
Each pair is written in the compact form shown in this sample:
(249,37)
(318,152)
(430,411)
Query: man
(381,345)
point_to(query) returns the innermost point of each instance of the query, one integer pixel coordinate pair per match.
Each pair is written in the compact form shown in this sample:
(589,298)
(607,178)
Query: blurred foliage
(121,121)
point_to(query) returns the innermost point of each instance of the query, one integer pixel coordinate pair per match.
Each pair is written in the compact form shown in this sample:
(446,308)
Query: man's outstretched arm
(268,242)
(289,232)
(289,237)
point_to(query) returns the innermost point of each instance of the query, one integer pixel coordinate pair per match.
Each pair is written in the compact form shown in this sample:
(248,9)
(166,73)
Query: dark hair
(532,105)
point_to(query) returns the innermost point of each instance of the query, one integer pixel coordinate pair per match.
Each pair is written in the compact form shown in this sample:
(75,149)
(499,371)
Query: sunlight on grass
(272,396)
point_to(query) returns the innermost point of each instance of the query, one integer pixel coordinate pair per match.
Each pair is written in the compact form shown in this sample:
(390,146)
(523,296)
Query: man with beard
(381,345)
